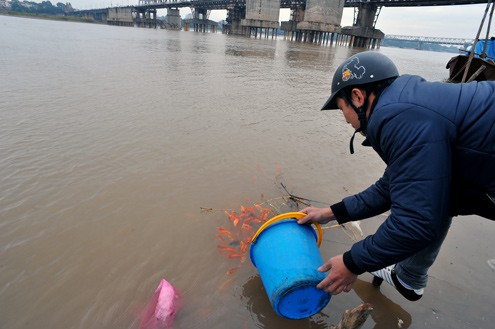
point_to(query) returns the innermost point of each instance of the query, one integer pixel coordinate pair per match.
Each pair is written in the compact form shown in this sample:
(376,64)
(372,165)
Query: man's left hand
(339,278)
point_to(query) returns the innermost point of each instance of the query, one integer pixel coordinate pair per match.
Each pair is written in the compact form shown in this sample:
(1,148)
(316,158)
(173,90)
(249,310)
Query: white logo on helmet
(352,70)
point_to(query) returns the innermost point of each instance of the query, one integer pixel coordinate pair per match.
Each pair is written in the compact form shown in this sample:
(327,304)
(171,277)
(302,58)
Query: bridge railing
(440,40)
(157,2)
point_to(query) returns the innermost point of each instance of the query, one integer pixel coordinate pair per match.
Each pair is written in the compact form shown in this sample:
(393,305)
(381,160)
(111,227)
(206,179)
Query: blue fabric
(490,48)
(435,138)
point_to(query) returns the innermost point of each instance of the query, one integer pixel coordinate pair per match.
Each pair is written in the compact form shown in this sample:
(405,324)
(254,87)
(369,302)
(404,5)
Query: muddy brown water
(111,141)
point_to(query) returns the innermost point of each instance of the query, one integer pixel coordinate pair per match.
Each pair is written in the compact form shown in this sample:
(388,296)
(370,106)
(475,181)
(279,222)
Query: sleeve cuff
(349,263)
(340,212)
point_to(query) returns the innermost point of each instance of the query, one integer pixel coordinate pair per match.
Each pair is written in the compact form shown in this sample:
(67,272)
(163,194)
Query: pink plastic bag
(161,310)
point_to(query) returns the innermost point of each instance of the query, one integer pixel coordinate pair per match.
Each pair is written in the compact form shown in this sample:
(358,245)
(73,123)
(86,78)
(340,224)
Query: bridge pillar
(200,21)
(364,34)
(173,19)
(120,16)
(366,14)
(145,17)
(235,15)
(290,27)
(317,23)
(262,15)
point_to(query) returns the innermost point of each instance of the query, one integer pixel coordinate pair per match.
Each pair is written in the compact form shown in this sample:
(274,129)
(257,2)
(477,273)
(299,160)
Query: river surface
(112,139)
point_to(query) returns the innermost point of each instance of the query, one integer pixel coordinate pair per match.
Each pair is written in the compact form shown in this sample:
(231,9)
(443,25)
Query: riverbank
(50,17)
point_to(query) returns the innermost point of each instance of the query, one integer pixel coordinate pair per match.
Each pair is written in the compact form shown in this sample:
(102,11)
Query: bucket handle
(296,215)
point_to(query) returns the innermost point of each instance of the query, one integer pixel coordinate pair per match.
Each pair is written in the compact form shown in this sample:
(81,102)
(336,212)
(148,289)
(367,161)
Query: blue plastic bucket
(287,257)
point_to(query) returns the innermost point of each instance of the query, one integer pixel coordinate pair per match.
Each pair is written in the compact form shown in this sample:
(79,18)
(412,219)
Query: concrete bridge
(315,21)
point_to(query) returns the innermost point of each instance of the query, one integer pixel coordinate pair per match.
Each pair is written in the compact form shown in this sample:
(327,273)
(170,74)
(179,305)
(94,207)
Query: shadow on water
(267,53)
(242,48)
(386,313)
(257,303)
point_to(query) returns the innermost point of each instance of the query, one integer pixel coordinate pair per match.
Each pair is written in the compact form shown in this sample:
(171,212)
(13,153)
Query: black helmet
(360,69)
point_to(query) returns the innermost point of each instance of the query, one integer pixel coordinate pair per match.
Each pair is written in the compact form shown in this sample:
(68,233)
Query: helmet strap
(363,122)
(351,146)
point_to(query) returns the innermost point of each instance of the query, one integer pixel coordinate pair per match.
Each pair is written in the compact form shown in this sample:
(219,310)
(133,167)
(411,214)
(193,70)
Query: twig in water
(205,210)
(355,318)
(302,200)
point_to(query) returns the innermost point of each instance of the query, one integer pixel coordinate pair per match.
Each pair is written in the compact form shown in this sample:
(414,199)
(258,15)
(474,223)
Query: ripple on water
(491,263)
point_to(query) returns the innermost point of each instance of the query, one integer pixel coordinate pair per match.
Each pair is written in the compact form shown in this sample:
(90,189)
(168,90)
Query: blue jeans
(414,270)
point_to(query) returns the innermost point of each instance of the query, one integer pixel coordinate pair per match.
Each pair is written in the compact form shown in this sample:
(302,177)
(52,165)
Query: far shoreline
(50,17)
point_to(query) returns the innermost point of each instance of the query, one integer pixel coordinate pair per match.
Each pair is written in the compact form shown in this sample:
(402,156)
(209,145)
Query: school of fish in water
(236,235)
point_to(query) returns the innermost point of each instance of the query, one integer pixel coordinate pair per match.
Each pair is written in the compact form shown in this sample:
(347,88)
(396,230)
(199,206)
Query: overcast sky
(443,21)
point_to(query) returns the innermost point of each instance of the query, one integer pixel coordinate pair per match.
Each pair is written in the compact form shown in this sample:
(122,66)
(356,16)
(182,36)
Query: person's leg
(410,276)
(413,271)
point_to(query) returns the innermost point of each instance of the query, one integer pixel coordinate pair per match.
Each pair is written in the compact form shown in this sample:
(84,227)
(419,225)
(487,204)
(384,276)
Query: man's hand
(317,215)
(338,279)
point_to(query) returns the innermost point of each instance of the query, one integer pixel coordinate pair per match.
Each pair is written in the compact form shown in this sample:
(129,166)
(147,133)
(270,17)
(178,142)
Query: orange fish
(232,270)
(226,249)
(236,256)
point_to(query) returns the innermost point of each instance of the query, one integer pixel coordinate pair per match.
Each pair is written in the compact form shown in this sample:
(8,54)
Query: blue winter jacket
(438,142)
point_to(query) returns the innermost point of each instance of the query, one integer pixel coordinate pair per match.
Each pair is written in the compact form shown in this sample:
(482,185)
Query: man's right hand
(317,215)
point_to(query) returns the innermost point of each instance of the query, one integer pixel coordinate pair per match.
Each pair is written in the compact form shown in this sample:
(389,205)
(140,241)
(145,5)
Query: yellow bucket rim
(296,215)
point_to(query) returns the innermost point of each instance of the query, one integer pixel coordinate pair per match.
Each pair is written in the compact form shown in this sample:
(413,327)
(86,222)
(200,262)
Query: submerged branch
(305,201)
(355,318)
(290,200)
